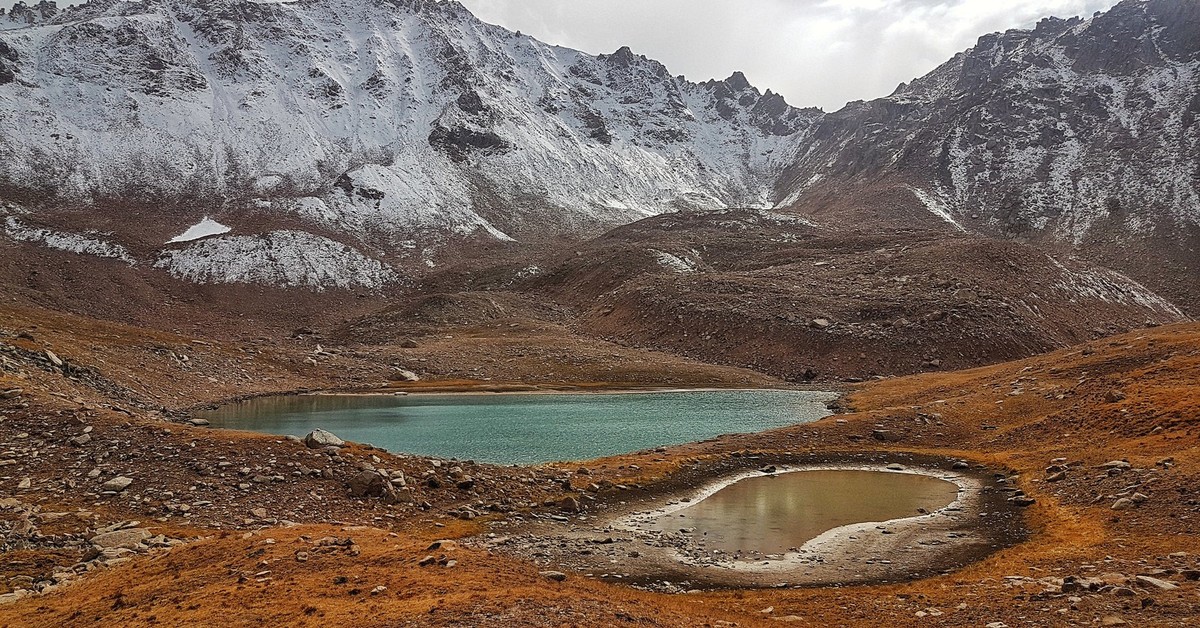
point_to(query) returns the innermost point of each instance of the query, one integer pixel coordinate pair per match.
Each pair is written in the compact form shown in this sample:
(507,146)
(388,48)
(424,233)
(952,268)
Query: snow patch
(289,259)
(203,229)
(64,241)
(674,262)
(936,207)
(1112,287)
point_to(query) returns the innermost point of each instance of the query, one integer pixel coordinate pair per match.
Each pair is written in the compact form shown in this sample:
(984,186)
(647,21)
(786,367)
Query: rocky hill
(1080,132)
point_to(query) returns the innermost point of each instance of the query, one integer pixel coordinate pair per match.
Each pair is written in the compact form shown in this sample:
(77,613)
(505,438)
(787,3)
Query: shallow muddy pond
(775,513)
(526,428)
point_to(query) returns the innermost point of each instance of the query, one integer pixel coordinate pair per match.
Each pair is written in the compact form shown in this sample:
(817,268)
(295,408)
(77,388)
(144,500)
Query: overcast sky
(819,53)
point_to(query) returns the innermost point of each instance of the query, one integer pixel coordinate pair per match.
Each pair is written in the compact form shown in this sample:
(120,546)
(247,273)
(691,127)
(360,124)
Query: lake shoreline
(526,428)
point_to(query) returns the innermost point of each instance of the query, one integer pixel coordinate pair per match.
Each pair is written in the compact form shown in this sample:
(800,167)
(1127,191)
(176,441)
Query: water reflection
(773,514)
(526,428)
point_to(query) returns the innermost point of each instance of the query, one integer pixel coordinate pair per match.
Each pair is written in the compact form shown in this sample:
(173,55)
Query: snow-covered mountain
(382,119)
(1074,125)
(373,132)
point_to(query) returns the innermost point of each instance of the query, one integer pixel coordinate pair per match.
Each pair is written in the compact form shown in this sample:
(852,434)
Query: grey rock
(54,359)
(117,484)
(118,539)
(369,484)
(1157,583)
(405,375)
(556,576)
(319,439)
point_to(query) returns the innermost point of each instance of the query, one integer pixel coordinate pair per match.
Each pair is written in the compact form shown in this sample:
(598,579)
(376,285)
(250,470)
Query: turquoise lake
(526,428)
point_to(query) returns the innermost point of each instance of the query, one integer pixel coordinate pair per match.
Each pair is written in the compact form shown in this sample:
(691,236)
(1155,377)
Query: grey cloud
(815,52)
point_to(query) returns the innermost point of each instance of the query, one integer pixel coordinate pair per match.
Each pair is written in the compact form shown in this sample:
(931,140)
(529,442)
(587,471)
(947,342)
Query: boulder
(54,359)
(404,375)
(369,484)
(556,576)
(1157,583)
(127,539)
(887,436)
(117,484)
(319,439)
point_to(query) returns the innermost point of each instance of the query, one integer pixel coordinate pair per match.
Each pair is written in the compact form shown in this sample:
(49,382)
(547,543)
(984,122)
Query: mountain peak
(737,82)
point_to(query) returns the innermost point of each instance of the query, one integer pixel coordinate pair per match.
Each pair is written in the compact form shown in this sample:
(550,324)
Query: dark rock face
(460,142)
(26,15)
(8,63)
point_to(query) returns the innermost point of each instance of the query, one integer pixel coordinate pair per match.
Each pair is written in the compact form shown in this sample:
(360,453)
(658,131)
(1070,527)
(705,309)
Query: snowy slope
(397,127)
(389,120)
(1077,129)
